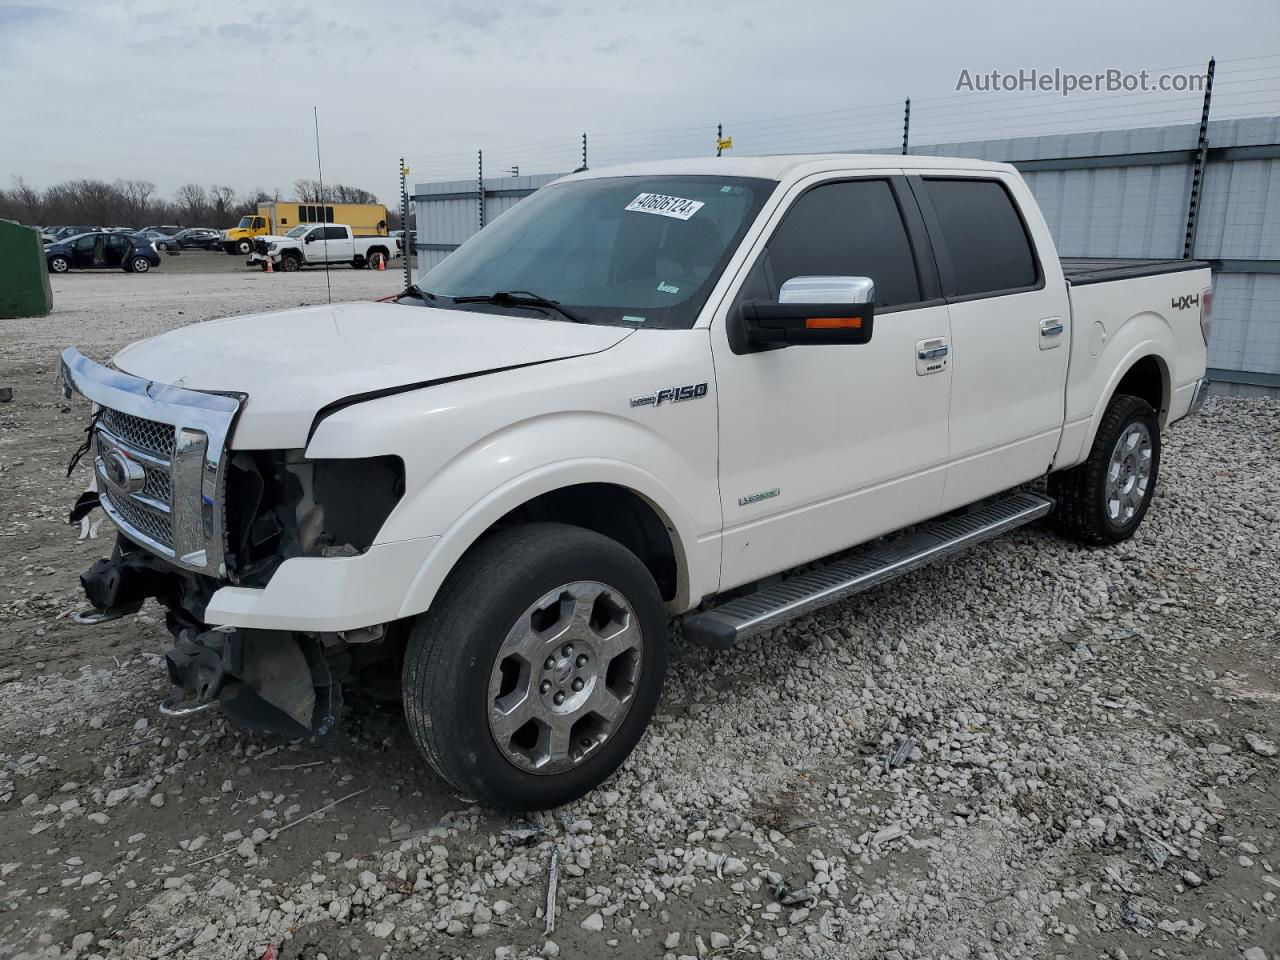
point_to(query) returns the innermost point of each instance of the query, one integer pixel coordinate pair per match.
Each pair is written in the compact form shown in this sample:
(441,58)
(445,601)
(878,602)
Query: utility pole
(480,185)
(719,138)
(906,125)
(409,248)
(1197,175)
(584,150)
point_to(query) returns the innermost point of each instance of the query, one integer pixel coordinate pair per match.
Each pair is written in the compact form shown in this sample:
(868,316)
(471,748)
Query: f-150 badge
(690,391)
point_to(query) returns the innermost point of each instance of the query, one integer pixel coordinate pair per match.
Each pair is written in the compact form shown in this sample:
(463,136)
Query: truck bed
(1084,270)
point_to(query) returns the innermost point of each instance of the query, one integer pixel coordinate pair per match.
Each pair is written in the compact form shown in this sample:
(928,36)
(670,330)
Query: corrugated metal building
(1115,193)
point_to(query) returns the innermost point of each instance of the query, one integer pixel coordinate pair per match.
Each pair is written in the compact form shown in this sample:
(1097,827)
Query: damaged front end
(195,517)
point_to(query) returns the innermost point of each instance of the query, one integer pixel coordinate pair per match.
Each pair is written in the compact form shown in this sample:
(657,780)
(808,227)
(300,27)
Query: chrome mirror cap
(828,290)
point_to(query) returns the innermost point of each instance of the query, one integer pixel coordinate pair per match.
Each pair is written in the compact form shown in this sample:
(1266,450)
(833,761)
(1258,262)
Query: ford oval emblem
(124,474)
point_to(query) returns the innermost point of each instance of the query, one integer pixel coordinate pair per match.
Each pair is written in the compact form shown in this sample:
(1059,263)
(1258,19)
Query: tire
(162,247)
(59,264)
(1103,500)
(231,249)
(139,265)
(244,247)
(290,263)
(492,628)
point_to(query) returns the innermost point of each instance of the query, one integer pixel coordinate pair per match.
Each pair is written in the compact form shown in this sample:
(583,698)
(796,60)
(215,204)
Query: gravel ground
(1036,750)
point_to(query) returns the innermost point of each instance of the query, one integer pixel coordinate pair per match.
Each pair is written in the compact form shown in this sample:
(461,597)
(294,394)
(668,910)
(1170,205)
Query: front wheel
(537,668)
(59,264)
(289,263)
(139,264)
(1104,499)
(244,247)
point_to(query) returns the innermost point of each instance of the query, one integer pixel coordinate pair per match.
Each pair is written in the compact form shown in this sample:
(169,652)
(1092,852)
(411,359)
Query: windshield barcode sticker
(664,206)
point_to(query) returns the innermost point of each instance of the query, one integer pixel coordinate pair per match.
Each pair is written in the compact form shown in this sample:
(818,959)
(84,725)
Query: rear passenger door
(1009,330)
(823,447)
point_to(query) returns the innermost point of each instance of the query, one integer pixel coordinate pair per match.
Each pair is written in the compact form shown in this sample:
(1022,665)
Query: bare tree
(344,194)
(193,200)
(29,199)
(308,191)
(97,201)
(221,197)
(136,196)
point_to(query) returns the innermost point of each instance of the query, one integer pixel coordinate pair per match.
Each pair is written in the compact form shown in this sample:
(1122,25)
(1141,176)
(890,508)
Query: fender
(1142,335)
(472,524)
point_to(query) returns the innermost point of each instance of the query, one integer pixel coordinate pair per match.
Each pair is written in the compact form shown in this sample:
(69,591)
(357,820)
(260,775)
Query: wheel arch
(628,509)
(1143,372)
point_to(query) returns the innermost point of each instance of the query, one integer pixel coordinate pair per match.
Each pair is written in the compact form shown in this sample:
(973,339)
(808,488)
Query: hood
(273,238)
(292,364)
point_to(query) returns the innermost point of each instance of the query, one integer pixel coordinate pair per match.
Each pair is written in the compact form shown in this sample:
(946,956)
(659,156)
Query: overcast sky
(222,91)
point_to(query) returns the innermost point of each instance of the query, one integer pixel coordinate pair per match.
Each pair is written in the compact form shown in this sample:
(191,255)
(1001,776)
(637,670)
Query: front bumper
(327,594)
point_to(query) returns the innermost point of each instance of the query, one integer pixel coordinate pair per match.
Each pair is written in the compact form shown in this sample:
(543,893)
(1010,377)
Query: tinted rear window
(985,237)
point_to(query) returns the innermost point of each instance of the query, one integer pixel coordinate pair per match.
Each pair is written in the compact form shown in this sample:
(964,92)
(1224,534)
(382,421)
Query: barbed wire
(1243,87)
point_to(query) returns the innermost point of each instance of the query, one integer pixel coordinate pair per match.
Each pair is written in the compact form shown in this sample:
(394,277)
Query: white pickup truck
(722,390)
(321,244)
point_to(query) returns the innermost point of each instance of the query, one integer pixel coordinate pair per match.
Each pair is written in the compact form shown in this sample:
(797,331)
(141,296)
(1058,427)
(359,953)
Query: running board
(866,567)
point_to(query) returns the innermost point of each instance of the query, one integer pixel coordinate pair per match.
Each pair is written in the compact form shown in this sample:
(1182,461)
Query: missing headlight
(282,505)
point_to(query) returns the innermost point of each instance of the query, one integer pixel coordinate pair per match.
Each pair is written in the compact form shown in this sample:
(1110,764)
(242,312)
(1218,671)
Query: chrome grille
(158,485)
(150,436)
(158,455)
(150,522)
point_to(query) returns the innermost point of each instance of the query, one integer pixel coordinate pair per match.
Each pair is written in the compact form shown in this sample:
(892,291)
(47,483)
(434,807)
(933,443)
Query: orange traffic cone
(270,269)
(382,262)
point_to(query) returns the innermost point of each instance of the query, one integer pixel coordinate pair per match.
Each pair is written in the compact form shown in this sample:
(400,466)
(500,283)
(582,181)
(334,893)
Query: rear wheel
(139,264)
(537,668)
(1104,499)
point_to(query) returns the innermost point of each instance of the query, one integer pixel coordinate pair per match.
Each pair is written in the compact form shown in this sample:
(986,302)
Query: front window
(642,251)
(245,223)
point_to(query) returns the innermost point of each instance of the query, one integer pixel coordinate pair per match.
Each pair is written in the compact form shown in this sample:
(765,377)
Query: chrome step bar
(863,568)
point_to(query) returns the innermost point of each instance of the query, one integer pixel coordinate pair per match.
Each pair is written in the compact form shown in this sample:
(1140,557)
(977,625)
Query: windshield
(298,231)
(625,250)
(245,223)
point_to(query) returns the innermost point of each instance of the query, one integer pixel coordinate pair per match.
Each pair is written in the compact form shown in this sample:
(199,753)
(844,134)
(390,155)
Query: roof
(779,167)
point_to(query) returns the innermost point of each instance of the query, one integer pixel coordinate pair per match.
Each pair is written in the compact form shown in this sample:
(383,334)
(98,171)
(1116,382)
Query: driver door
(826,446)
(83,251)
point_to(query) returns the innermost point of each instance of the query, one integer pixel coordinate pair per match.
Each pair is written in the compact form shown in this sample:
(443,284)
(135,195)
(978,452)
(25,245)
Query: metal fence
(1113,193)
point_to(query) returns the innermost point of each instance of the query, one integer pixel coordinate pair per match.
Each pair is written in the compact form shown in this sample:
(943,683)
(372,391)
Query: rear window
(986,239)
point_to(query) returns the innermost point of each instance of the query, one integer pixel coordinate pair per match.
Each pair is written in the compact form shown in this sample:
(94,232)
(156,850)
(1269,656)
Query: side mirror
(812,310)
(310,238)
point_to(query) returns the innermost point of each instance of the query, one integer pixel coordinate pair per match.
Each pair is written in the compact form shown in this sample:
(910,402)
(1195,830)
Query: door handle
(934,353)
(1051,327)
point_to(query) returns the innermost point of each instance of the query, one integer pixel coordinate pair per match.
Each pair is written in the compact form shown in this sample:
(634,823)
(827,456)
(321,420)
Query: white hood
(292,364)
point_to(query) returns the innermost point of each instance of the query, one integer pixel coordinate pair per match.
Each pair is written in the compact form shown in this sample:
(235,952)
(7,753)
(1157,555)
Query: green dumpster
(24,277)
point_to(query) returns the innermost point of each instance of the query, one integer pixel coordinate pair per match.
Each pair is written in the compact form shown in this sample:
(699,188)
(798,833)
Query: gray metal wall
(1116,193)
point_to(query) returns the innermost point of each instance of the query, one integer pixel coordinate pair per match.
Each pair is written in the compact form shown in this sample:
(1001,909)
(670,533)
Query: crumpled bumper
(326,594)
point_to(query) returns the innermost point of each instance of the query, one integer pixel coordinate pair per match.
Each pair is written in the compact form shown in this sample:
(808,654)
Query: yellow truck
(276,217)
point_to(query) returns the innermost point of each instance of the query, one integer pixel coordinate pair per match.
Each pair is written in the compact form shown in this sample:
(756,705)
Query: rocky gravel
(1035,750)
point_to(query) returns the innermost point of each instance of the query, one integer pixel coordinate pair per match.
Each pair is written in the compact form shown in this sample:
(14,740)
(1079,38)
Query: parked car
(101,250)
(61,233)
(319,245)
(201,237)
(704,388)
(163,242)
(169,230)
